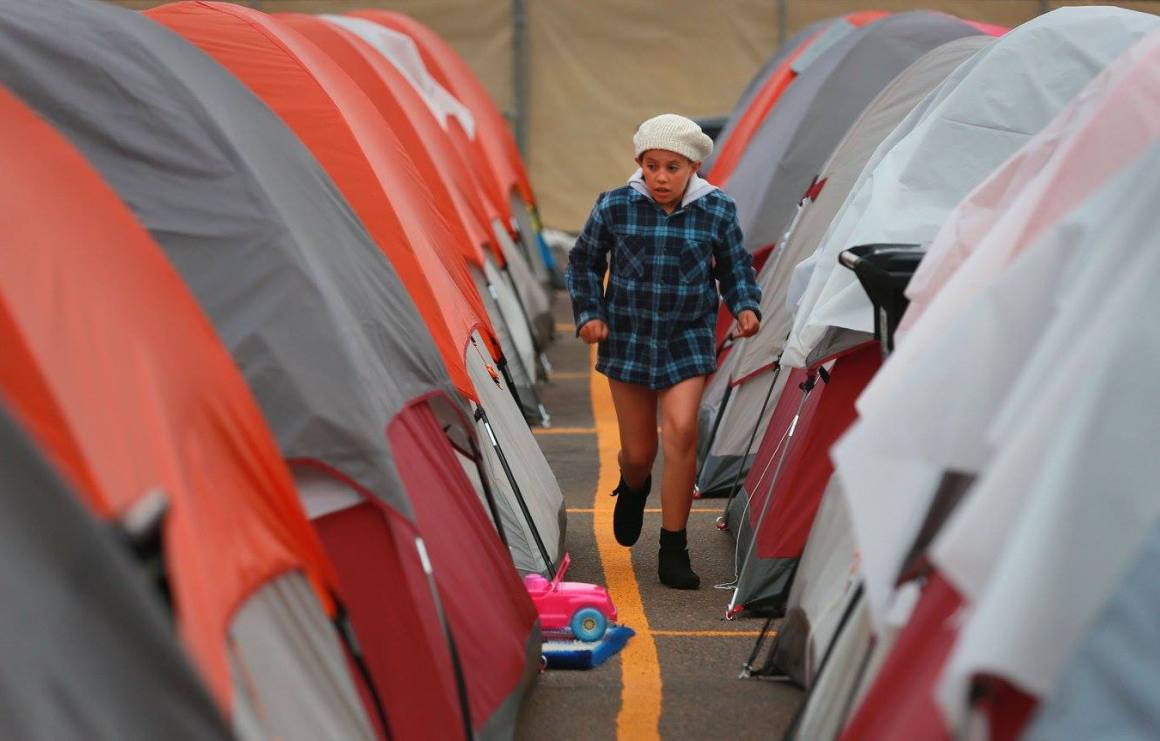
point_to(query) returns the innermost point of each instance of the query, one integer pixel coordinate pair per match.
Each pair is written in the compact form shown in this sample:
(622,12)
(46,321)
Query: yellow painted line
(712,633)
(589,510)
(565,431)
(640,671)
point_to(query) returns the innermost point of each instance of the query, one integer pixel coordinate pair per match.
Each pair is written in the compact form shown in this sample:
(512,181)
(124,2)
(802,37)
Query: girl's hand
(594,331)
(747,324)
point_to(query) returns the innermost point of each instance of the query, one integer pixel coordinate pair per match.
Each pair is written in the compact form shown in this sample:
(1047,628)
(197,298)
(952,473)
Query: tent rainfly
(312,88)
(795,139)
(778,80)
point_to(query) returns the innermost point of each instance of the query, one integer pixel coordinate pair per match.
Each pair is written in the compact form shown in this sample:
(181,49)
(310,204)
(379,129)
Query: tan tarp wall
(599,67)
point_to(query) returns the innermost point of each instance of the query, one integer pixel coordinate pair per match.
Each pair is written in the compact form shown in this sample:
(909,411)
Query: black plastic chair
(884,270)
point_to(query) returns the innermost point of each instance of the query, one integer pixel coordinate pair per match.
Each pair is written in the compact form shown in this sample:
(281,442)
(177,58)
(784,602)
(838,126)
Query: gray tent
(100,662)
(814,113)
(758,81)
(250,54)
(731,418)
(313,314)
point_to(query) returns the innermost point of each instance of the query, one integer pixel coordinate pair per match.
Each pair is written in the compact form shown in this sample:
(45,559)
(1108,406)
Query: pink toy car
(584,609)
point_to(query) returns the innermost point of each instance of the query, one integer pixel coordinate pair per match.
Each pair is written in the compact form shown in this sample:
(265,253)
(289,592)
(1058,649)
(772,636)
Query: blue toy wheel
(588,624)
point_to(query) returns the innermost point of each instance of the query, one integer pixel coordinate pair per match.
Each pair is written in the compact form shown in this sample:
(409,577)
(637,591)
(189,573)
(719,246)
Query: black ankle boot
(628,517)
(673,565)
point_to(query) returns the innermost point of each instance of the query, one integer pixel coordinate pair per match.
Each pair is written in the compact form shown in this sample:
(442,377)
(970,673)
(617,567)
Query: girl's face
(666,174)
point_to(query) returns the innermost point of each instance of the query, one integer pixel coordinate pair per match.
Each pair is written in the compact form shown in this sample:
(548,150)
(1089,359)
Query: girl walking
(673,238)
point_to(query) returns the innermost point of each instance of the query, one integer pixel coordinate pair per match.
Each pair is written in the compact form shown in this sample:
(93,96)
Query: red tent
(901,697)
(796,494)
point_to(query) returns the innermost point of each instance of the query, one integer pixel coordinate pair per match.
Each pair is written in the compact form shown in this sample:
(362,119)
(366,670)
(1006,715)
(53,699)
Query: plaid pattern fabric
(661,300)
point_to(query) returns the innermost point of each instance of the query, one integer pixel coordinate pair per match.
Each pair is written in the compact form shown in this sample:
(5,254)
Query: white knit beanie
(673,133)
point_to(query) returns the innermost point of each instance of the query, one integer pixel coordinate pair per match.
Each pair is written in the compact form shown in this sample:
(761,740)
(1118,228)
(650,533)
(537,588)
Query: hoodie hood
(698,187)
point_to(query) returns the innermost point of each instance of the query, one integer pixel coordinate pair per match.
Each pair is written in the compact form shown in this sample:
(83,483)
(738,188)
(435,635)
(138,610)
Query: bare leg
(679,405)
(636,416)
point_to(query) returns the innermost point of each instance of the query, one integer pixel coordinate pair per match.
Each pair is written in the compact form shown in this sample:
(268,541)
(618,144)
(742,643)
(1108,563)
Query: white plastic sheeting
(981,114)
(402,52)
(1069,497)
(912,428)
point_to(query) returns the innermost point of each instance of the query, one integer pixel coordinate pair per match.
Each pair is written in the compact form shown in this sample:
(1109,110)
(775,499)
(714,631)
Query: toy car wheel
(588,624)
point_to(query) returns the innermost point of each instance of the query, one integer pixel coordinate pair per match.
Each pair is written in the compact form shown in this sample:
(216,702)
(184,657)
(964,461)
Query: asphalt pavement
(678,677)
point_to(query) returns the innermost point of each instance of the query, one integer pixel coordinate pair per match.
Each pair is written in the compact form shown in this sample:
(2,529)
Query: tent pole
(507,377)
(520,73)
(545,418)
(847,614)
(349,638)
(481,416)
(806,386)
(488,494)
(452,649)
(781,14)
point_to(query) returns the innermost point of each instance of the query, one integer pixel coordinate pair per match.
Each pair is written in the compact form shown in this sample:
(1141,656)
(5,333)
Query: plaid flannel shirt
(661,301)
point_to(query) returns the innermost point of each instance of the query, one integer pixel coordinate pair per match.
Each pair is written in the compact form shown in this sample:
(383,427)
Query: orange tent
(453,187)
(89,313)
(368,163)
